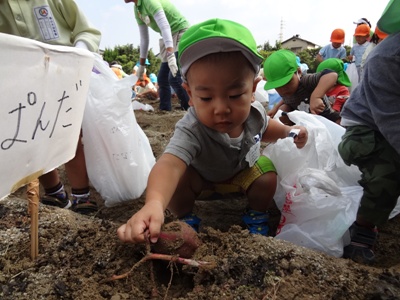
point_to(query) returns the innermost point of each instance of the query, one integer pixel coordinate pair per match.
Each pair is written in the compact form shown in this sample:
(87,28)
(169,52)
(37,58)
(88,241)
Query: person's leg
(50,179)
(379,164)
(190,185)
(55,194)
(176,83)
(259,182)
(79,181)
(261,193)
(164,89)
(182,202)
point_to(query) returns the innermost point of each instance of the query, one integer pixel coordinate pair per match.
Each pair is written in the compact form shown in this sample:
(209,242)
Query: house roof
(299,38)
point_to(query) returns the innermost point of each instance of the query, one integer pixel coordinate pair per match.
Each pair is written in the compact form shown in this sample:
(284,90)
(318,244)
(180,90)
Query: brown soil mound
(79,254)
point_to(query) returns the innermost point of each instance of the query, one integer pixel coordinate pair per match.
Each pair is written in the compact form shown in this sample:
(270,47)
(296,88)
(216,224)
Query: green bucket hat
(279,68)
(337,65)
(389,22)
(213,36)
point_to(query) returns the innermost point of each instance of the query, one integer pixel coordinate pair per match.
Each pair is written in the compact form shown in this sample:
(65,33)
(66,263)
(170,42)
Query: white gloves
(172,63)
(82,45)
(140,72)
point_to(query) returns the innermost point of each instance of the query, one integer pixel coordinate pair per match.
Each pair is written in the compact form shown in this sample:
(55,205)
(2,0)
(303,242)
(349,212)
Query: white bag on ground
(117,151)
(317,213)
(317,193)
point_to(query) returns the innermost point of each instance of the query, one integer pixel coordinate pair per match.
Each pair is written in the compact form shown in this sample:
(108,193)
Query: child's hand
(272,112)
(317,106)
(301,139)
(144,225)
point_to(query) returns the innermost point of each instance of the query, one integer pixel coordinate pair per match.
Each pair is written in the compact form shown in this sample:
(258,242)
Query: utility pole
(281,31)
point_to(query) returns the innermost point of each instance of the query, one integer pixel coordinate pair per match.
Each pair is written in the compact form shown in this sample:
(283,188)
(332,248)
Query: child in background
(361,35)
(299,92)
(153,79)
(146,89)
(376,38)
(339,93)
(335,49)
(363,21)
(117,69)
(216,145)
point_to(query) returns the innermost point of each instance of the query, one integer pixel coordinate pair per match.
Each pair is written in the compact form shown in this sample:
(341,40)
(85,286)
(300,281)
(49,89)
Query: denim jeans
(165,82)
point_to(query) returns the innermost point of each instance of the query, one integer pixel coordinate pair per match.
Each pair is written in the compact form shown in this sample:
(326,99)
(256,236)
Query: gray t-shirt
(211,152)
(300,100)
(375,102)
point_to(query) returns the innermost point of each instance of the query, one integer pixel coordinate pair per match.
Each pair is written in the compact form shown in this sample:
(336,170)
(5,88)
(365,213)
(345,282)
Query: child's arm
(326,82)
(276,130)
(162,182)
(280,105)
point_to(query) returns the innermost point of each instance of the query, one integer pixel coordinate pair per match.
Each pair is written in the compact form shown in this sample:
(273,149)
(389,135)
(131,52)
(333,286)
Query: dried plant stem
(171,267)
(154,291)
(167,257)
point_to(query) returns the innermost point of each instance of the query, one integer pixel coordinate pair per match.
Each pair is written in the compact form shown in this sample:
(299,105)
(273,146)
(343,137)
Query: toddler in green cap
(215,148)
(339,93)
(299,92)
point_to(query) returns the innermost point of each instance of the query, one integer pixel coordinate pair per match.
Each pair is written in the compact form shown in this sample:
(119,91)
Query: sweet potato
(177,238)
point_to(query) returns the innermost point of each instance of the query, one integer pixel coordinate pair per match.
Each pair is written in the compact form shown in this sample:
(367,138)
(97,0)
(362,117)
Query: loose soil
(78,255)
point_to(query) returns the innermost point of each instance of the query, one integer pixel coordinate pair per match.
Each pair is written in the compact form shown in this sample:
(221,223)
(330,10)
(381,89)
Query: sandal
(84,206)
(59,200)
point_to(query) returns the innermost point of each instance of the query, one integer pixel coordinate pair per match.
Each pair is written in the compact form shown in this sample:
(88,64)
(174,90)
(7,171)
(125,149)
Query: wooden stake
(33,209)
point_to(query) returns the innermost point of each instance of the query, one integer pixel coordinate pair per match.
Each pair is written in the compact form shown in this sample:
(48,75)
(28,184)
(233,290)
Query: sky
(312,20)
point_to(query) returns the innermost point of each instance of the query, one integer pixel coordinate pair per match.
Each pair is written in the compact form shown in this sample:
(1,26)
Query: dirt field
(79,254)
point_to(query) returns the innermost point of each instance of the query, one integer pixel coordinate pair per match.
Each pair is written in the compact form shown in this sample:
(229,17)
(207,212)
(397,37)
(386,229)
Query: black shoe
(59,200)
(361,246)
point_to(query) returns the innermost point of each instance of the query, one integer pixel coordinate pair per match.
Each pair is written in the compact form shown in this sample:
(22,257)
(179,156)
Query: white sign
(43,95)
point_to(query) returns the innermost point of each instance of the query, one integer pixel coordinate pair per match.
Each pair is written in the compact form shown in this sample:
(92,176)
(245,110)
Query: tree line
(128,56)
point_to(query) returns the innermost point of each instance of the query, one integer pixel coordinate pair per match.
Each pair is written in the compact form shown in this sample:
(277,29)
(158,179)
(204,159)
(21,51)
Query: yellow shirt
(57,22)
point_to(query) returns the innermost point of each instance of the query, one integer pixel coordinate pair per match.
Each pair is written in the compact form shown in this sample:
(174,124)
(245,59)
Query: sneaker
(361,246)
(192,220)
(84,205)
(59,200)
(256,222)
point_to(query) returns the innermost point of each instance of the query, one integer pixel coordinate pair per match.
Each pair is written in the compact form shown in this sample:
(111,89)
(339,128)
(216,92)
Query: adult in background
(62,23)
(163,17)
(371,142)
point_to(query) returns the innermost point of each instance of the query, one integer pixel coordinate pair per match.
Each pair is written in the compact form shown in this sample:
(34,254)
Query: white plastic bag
(317,213)
(136,105)
(260,94)
(317,193)
(118,153)
(353,76)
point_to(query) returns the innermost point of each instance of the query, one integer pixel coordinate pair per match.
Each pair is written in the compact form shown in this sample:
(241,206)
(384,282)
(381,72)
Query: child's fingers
(154,228)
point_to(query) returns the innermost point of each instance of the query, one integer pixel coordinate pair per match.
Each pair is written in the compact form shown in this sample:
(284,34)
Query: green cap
(213,36)
(389,22)
(337,65)
(279,68)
